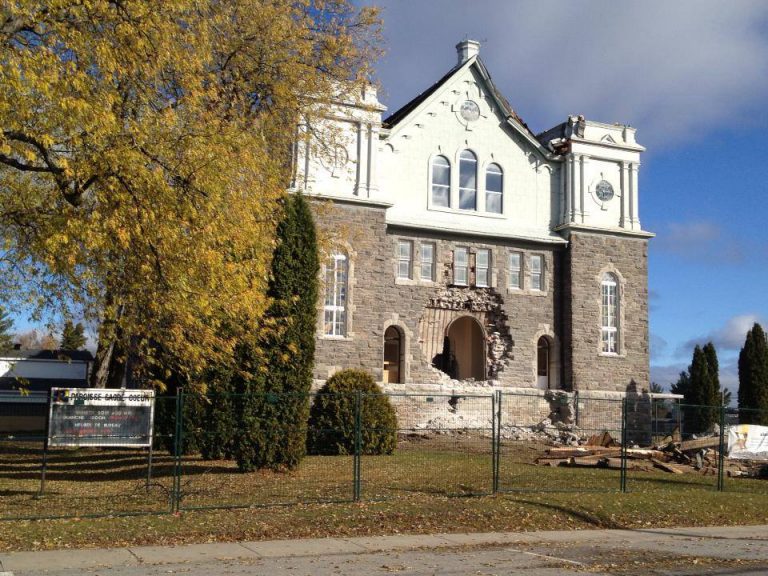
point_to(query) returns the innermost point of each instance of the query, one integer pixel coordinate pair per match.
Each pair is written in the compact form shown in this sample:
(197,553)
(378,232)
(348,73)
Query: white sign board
(101,417)
(748,442)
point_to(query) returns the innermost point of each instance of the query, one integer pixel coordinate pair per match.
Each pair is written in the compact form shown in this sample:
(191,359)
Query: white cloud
(730,336)
(698,240)
(673,69)
(666,375)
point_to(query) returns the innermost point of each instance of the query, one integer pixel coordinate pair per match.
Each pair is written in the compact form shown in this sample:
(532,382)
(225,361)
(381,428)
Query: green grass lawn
(414,490)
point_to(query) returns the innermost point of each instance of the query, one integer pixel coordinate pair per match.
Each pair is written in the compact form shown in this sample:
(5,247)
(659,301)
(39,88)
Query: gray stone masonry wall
(588,257)
(422,310)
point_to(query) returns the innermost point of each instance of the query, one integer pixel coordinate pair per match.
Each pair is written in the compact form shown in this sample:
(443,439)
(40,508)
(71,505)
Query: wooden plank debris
(666,466)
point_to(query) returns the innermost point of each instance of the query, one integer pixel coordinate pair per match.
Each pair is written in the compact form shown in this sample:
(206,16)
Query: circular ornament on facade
(335,159)
(469,110)
(604,190)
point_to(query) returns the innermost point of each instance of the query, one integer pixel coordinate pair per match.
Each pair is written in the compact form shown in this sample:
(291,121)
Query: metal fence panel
(543,439)
(215,481)
(742,474)
(680,453)
(444,446)
(36,482)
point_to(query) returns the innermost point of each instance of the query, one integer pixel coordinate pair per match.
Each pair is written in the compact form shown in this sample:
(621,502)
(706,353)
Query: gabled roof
(512,117)
(405,110)
(38,354)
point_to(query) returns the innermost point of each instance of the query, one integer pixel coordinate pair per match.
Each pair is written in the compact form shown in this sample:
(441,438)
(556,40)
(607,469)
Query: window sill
(336,338)
(528,292)
(493,215)
(413,282)
(611,355)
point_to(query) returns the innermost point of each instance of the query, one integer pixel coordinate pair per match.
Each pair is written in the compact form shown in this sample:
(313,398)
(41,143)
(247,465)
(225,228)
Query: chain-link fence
(683,456)
(558,442)
(741,471)
(445,446)
(39,481)
(237,451)
(228,450)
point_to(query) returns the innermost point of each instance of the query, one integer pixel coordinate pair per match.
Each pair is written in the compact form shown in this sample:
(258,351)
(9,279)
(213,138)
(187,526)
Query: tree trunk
(105,362)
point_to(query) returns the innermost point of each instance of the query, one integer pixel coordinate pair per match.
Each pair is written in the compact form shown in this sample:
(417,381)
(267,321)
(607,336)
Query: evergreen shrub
(332,417)
(274,407)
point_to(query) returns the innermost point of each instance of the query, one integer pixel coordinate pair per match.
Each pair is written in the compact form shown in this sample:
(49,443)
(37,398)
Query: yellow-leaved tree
(144,147)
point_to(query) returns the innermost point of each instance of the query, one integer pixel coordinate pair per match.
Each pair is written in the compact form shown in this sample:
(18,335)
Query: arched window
(335,307)
(609,322)
(543,362)
(494,180)
(467,181)
(441,181)
(393,355)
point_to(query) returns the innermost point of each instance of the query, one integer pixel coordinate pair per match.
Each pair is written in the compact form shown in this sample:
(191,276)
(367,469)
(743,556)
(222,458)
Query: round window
(604,190)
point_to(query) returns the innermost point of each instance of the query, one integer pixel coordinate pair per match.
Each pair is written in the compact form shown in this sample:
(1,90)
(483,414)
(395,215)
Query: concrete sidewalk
(749,543)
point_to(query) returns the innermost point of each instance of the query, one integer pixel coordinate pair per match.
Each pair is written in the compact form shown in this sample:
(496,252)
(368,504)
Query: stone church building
(465,247)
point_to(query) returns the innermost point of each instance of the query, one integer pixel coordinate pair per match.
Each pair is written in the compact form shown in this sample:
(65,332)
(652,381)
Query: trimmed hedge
(332,417)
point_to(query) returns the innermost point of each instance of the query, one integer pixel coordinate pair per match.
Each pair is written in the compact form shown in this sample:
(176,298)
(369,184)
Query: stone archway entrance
(466,342)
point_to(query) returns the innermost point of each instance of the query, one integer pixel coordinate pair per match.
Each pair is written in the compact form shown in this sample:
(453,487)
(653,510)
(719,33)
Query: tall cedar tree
(275,407)
(72,336)
(753,378)
(6,338)
(682,385)
(700,413)
(220,429)
(716,398)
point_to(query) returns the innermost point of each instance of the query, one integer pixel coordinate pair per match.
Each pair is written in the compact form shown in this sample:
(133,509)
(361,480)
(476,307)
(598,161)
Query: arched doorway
(393,356)
(543,363)
(467,349)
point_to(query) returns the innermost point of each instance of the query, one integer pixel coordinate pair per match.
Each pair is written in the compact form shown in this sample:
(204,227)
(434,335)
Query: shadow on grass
(665,483)
(585,516)
(462,492)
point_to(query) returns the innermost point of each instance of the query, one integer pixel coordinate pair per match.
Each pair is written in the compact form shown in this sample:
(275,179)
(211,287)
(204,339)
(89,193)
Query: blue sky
(691,76)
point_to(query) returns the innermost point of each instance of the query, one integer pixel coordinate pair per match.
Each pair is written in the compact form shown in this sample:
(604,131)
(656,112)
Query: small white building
(36,372)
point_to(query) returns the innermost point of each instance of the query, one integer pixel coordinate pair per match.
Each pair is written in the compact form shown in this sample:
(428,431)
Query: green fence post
(177,449)
(721,452)
(624,436)
(358,447)
(494,445)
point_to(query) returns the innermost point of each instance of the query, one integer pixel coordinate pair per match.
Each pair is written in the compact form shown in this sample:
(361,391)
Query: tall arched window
(494,179)
(335,308)
(609,322)
(441,181)
(467,181)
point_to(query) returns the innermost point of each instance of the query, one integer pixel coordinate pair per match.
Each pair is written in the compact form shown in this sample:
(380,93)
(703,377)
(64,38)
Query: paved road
(741,551)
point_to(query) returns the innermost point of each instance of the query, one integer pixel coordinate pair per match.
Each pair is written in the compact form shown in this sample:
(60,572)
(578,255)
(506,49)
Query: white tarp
(748,442)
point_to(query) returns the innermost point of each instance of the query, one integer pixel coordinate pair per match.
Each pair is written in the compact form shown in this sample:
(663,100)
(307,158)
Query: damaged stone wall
(513,319)
(484,304)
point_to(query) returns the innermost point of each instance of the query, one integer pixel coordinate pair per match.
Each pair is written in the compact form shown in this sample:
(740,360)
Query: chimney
(466,49)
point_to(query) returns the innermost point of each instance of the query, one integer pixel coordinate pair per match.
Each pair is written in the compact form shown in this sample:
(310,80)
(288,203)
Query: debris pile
(698,456)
